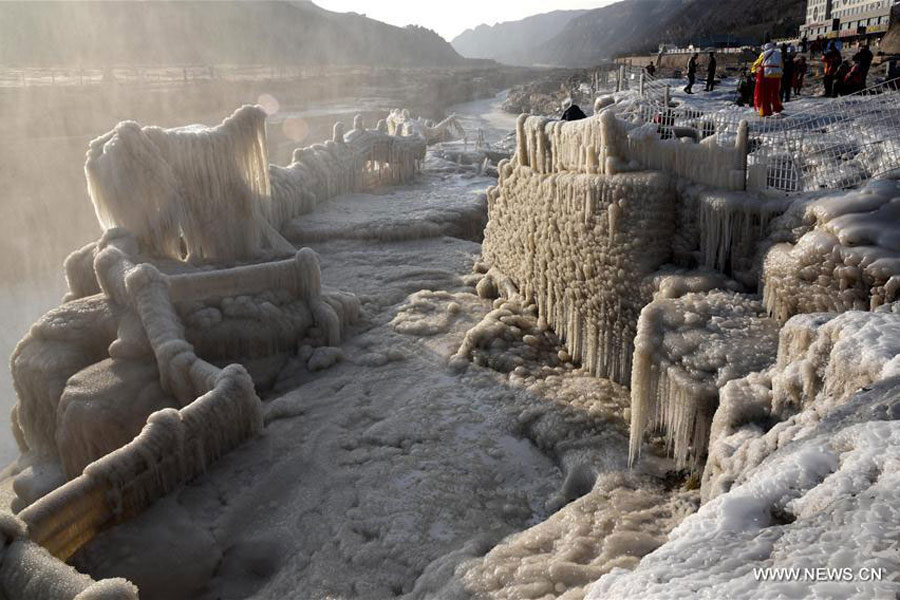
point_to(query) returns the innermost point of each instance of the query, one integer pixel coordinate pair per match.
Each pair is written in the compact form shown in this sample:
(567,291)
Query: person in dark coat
(787,77)
(573,113)
(651,69)
(746,88)
(863,58)
(691,73)
(711,72)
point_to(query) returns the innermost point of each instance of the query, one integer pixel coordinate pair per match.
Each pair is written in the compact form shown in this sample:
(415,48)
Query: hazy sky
(451,17)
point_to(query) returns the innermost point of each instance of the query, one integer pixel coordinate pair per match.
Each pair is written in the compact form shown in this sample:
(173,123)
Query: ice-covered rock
(836,253)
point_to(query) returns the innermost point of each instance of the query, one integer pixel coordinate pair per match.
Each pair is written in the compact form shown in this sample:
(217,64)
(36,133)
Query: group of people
(779,71)
(693,65)
(842,76)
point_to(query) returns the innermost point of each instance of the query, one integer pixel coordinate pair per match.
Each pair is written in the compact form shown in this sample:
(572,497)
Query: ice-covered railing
(174,447)
(359,160)
(29,572)
(839,143)
(610,142)
(219,407)
(400,123)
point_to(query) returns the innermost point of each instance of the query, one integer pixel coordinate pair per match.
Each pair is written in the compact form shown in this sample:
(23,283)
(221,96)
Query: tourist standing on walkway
(651,69)
(691,73)
(800,68)
(768,69)
(864,59)
(711,72)
(832,60)
(787,78)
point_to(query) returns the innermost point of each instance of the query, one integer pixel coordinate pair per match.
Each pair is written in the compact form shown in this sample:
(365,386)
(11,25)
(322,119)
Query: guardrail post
(667,93)
(623,82)
(641,85)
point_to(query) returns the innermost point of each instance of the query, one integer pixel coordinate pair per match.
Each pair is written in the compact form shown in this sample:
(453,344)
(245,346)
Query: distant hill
(590,37)
(513,42)
(100,33)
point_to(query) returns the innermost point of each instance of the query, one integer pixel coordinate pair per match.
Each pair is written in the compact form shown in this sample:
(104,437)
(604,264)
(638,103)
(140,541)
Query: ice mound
(686,350)
(827,499)
(822,361)
(836,253)
(29,572)
(623,517)
(803,472)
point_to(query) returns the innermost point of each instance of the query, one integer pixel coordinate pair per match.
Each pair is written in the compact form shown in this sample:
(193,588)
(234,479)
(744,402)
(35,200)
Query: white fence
(840,143)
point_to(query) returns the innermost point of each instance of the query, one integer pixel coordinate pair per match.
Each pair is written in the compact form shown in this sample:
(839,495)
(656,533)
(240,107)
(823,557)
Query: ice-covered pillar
(742,145)
(641,85)
(521,141)
(358,123)
(338,136)
(667,93)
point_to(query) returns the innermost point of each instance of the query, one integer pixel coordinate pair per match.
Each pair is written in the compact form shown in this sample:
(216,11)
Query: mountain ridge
(512,42)
(94,33)
(634,26)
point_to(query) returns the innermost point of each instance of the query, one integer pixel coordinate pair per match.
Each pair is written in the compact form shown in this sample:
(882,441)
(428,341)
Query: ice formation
(210,193)
(400,123)
(836,253)
(204,187)
(823,360)
(140,339)
(113,393)
(801,474)
(579,244)
(616,238)
(686,350)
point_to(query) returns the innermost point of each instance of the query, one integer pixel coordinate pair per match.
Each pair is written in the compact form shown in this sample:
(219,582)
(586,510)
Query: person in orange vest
(769,70)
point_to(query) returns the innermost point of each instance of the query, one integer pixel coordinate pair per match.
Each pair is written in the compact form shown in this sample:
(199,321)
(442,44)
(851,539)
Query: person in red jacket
(768,69)
(832,59)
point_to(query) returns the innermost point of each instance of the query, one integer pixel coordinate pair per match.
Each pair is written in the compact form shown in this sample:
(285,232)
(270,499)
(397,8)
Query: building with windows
(847,18)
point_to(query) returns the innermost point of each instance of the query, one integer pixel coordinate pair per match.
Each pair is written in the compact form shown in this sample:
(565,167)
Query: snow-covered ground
(449,448)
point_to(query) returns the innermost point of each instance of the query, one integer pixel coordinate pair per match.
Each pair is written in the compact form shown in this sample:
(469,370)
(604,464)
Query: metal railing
(839,143)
